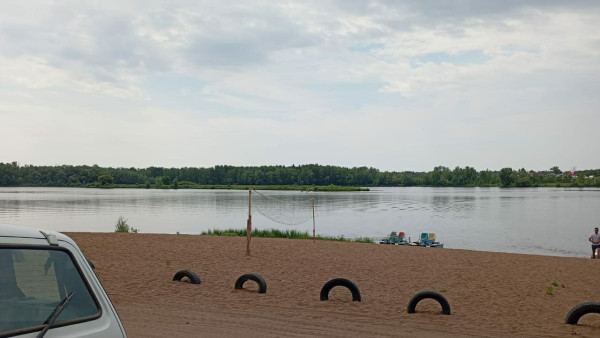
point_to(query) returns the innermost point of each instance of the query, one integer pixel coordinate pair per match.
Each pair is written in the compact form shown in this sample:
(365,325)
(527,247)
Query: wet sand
(490,294)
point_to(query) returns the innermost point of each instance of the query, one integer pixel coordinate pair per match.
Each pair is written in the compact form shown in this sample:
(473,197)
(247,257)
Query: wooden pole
(249,223)
(313,207)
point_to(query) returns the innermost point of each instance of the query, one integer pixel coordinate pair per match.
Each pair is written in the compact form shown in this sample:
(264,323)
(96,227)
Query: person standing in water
(595,239)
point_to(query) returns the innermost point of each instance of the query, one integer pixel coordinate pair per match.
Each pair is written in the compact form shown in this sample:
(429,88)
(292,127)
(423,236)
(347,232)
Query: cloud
(390,84)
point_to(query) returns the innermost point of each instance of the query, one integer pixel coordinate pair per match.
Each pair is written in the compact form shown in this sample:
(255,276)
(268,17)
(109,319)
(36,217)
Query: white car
(49,289)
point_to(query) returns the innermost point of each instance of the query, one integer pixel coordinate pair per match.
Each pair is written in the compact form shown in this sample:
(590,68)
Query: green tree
(9,174)
(105,179)
(556,170)
(440,177)
(507,177)
(523,179)
(581,182)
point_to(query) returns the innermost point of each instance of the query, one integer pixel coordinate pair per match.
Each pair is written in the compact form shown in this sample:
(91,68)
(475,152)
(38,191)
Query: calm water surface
(547,221)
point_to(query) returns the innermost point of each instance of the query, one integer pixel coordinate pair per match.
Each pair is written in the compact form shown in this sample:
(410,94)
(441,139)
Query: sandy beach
(490,294)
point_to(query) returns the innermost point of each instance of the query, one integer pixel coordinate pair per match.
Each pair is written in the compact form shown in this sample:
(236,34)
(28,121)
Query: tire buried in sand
(412,304)
(580,310)
(340,282)
(192,276)
(262,285)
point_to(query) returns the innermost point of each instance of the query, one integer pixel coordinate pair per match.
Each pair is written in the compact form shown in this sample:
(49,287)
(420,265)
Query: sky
(393,85)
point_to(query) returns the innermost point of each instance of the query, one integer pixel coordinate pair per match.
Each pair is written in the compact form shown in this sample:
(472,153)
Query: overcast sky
(394,85)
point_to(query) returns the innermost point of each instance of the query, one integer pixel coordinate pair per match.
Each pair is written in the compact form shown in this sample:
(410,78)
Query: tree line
(13,174)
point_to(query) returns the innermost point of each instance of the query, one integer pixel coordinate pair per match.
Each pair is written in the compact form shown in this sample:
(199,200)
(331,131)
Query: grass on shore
(276,233)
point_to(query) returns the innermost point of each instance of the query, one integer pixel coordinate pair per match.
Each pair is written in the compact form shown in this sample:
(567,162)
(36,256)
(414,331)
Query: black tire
(91,264)
(262,285)
(581,309)
(412,304)
(340,282)
(192,276)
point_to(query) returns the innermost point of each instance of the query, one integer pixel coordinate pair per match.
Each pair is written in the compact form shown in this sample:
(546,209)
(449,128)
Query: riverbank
(191,185)
(490,294)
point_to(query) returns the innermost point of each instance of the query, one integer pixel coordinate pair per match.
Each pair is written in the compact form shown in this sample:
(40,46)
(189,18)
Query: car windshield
(33,281)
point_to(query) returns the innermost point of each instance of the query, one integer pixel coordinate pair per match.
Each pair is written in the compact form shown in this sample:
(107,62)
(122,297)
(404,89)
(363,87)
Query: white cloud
(393,85)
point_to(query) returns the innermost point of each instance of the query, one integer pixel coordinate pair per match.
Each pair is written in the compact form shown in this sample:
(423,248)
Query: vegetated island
(276,233)
(309,177)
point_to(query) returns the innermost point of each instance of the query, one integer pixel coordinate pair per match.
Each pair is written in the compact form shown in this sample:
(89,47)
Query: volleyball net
(284,208)
(280,208)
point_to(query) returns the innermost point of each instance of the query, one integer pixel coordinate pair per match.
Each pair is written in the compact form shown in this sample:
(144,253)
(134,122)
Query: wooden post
(313,207)
(249,223)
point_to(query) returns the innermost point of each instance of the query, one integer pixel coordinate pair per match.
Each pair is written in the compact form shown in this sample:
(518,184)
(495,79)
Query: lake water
(546,221)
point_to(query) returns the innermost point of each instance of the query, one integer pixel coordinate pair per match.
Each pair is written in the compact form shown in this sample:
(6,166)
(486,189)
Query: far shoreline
(183,186)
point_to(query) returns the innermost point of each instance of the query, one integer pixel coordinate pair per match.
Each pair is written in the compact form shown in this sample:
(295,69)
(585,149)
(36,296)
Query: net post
(249,223)
(313,212)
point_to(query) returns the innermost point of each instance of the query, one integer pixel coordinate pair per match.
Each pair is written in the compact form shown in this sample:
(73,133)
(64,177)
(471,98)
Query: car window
(33,281)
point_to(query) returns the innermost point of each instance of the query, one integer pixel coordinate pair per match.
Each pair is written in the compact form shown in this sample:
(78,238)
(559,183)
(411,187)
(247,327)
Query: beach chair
(424,237)
(392,239)
(426,240)
(401,239)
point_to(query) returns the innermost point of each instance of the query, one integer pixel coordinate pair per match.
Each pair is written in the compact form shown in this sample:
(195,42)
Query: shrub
(122,226)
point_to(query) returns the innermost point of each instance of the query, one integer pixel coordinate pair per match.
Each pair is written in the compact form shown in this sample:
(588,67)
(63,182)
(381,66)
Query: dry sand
(491,294)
